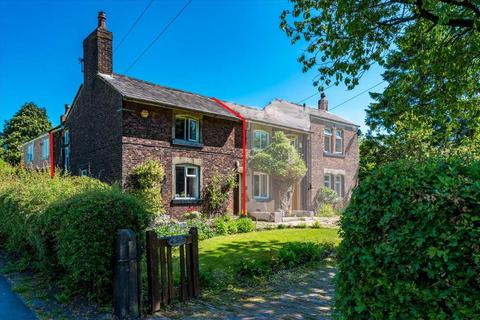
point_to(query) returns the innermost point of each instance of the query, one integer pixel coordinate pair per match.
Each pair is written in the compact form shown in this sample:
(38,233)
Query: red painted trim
(52,160)
(244,152)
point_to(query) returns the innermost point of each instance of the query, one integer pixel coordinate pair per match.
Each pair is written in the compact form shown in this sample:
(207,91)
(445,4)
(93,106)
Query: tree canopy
(29,122)
(344,38)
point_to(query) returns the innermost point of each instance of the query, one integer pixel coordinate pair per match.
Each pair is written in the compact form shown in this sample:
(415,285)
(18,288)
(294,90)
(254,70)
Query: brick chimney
(323,102)
(97,51)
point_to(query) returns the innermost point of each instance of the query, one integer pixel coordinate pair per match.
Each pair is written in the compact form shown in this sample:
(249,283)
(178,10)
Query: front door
(296,197)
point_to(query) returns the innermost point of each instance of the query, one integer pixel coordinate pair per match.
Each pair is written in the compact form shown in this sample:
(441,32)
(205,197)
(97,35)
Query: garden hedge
(411,243)
(65,227)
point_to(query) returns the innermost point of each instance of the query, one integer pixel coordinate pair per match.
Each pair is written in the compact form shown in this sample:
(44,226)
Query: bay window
(187,182)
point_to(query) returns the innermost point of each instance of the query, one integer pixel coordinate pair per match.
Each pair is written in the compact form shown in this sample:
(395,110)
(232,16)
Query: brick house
(116,122)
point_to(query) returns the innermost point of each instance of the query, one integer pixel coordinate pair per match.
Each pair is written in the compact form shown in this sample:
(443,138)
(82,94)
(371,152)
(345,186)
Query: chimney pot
(101,20)
(323,102)
(67,107)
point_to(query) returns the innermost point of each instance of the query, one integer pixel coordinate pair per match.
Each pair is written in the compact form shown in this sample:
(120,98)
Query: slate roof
(293,118)
(150,92)
(286,114)
(312,111)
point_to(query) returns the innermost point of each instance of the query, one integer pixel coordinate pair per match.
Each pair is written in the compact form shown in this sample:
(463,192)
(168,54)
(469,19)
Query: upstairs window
(30,152)
(187,182)
(339,141)
(187,129)
(260,139)
(260,185)
(45,148)
(327,140)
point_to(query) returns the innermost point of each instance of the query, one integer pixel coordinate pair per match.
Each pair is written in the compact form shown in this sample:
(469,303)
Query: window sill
(262,199)
(185,143)
(334,155)
(186,201)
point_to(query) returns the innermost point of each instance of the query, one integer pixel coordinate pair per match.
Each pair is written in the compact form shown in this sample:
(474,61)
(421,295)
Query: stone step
(297,219)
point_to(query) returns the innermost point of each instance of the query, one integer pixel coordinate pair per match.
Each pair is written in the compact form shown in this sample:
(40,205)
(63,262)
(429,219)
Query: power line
(356,96)
(134,25)
(158,36)
(315,94)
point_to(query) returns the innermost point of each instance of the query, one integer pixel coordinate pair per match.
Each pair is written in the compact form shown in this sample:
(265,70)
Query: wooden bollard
(126,300)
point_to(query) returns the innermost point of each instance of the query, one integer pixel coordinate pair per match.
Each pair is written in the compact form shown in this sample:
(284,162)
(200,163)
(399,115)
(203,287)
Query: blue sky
(233,50)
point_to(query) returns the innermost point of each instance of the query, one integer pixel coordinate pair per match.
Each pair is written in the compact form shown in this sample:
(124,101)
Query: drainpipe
(52,156)
(244,152)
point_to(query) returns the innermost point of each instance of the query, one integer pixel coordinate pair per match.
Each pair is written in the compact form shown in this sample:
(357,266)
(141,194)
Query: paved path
(11,306)
(308,295)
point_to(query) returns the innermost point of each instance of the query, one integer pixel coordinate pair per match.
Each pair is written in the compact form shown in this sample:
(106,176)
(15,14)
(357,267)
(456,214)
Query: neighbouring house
(116,122)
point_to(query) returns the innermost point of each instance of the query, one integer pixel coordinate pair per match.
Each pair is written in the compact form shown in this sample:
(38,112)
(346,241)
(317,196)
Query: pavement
(11,306)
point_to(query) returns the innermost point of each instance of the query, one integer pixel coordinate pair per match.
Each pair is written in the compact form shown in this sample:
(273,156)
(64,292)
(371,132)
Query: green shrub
(215,279)
(205,231)
(86,238)
(294,254)
(316,225)
(217,193)
(220,225)
(301,225)
(255,269)
(245,225)
(410,247)
(326,210)
(192,215)
(145,182)
(65,227)
(325,195)
(281,226)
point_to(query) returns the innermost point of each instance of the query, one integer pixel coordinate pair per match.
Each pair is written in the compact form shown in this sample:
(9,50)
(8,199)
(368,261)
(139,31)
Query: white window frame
(45,148)
(30,152)
(66,137)
(339,178)
(260,189)
(328,135)
(66,162)
(337,137)
(260,132)
(186,176)
(186,127)
(327,182)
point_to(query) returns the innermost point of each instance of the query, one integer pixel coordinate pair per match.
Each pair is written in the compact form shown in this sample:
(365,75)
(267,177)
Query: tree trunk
(286,194)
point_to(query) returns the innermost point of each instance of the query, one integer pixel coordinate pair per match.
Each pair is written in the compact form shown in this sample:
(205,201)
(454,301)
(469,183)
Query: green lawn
(226,251)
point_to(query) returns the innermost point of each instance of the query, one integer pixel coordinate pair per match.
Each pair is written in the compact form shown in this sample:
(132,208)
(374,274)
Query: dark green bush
(410,246)
(57,225)
(295,254)
(255,269)
(86,238)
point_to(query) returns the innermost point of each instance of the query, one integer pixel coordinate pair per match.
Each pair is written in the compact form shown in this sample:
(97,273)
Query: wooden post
(125,286)
(195,262)
(152,271)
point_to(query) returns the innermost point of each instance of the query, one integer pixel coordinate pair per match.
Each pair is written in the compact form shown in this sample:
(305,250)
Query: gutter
(244,152)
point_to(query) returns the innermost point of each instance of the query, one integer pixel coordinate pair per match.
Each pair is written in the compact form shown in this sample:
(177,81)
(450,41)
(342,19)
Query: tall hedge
(411,243)
(65,227)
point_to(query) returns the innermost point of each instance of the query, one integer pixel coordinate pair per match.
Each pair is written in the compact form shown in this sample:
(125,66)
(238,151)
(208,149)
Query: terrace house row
(116,122)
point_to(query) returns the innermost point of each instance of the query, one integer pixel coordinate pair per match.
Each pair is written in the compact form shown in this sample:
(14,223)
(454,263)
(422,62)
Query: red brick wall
(150,138)
(347,162)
